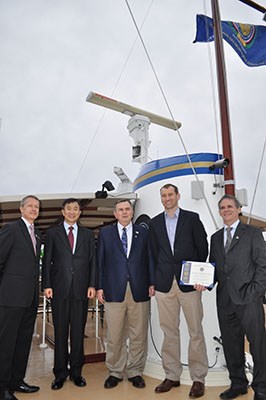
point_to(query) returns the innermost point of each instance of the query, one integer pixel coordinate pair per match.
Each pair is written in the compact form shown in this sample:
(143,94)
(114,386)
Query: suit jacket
(115,269)
(62,269)
(241,273)
(19,265)
(190,244)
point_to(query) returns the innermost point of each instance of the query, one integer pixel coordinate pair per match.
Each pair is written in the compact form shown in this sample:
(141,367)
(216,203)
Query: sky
(54,52)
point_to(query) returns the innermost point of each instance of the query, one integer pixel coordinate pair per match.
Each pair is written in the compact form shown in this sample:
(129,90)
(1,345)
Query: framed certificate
(197,272)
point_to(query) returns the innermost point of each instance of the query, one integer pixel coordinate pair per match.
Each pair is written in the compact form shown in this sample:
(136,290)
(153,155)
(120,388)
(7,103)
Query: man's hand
(48,293)
(100,296)
(151,291)
(199,287)
(91,293)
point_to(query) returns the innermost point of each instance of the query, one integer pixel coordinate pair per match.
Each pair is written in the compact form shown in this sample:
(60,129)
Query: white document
(197,272)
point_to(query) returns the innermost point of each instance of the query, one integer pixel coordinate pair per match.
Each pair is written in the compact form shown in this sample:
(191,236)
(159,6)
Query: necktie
(228,238)
(33,238)
(71,237)
(124,240)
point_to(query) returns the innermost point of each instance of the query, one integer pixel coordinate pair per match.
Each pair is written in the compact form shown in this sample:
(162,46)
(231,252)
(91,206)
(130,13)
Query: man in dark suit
(69,279)
(239,253)
(125,285)
(177,235)
(20,247)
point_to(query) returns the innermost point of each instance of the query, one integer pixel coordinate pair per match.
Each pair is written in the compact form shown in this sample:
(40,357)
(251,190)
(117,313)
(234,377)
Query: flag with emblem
(249,41)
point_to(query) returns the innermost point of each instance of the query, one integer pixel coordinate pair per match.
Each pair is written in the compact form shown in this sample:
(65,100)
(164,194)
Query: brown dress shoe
(166,385)
(197,389)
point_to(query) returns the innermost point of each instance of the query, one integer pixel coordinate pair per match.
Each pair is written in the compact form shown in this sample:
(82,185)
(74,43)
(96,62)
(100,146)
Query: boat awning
(254,220)
(96,212)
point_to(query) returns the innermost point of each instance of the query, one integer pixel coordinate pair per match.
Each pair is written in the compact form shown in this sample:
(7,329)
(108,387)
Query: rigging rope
(112,93)
(257,181)
(171,114)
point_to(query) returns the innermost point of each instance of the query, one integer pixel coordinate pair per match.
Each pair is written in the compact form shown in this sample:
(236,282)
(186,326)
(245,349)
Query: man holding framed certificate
(177,235)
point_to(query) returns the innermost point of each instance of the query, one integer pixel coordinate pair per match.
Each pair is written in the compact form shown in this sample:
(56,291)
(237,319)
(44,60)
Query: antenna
(116,105)
(138,125)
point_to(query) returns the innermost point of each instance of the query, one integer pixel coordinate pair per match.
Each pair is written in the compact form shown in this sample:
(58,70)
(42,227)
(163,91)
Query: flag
(249,41)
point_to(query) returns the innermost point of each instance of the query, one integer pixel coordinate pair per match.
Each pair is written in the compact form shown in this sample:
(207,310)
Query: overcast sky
(54,52)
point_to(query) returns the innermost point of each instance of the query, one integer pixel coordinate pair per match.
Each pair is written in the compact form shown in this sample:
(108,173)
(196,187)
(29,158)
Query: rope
(171,114)
(112,93)
(257,181)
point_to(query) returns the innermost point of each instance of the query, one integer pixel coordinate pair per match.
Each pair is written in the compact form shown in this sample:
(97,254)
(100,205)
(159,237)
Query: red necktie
(71,237)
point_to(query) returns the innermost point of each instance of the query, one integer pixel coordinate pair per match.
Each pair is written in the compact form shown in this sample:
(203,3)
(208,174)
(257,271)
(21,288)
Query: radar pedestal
(138,127)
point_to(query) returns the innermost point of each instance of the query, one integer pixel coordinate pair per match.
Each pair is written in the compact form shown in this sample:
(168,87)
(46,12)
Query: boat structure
(201,177)
(200,182)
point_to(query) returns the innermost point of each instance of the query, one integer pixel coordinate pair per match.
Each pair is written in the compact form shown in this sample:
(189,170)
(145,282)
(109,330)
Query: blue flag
(249,41)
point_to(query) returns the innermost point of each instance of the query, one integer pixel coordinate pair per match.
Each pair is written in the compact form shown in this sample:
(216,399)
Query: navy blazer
(115,269)
(241,273)
(19,265)
(61,268)
(190,244)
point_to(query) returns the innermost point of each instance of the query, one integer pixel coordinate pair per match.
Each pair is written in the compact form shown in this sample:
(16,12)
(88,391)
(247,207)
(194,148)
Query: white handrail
(43,345)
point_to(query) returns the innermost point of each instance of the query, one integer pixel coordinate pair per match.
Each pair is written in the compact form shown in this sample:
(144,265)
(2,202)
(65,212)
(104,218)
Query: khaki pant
(169,307)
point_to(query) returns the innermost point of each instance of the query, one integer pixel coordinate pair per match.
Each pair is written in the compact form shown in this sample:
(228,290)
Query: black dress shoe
(7,395)
(111,382)
(137,381)
(58,383)
(233,392)
(25,388)
(79,381)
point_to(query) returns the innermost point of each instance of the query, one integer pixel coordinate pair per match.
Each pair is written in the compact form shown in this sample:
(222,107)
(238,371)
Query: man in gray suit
(239,254)
(20,246)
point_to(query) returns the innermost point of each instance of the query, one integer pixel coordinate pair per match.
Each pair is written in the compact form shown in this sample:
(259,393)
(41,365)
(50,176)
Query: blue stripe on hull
(170,167)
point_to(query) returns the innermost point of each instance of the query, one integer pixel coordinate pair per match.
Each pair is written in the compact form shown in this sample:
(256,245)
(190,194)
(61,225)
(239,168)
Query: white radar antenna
(138,124)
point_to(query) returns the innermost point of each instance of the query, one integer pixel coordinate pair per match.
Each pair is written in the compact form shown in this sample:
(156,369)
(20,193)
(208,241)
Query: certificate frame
(196,272)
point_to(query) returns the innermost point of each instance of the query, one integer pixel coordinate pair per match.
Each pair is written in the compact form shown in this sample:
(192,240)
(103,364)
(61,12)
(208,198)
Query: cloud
(54,52)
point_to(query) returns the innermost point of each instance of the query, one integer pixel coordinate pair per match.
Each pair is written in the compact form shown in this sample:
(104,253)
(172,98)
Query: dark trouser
(16,330)
(69,319)
(236,321)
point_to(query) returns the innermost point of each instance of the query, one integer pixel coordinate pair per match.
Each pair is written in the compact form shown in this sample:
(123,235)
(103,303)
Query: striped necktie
(33,238)
(228,238)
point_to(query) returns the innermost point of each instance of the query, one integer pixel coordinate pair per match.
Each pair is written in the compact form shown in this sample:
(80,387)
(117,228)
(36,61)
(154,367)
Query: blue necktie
(124,240)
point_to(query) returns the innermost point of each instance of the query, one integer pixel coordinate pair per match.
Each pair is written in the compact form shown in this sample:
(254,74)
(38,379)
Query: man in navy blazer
(69,279)
(240,270)
(20,245)
(125,286)
(177,235)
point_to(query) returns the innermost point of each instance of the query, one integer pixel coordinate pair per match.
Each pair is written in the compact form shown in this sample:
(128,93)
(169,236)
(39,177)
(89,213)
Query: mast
(229,181)
(256,6)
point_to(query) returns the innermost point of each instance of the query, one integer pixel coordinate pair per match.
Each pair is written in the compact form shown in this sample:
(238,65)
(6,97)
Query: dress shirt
(233,229)
(129,229)
(28,224)
(171,223)
(75,233)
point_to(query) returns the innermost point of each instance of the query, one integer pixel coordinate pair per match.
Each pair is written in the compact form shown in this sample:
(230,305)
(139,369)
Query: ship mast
(229,181)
